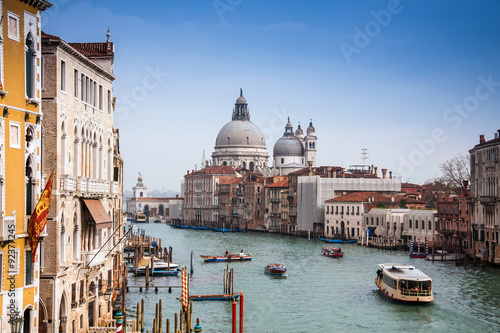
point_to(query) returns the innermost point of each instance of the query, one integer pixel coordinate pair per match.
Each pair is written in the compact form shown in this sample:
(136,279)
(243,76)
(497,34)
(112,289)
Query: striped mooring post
(119,317)
(197,327)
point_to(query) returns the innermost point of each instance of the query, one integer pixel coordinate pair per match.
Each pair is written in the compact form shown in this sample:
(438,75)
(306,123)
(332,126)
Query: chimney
(481,138)
(465,184)
(375,173)
(177,196)
(384,171)
(390,174)
(343,173)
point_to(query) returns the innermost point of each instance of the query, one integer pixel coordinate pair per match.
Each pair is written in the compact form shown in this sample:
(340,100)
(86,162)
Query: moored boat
(342,241)
(332,252)
(214,297)
(275,269)
(418,255)
(404,283)
(440,255)
(159,265)
(229,257)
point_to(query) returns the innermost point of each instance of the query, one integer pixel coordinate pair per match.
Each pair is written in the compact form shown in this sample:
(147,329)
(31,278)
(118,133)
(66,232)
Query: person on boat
(241,254)
(340,250)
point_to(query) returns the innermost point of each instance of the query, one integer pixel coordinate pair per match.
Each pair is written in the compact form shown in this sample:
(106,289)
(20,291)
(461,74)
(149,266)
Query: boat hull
(142,272)
(275,269)
(332,252)
(338,241)
(221,297)
(228,258)
(418,255)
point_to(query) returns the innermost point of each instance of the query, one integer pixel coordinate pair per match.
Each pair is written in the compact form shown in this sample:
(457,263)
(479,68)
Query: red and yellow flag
(38,218)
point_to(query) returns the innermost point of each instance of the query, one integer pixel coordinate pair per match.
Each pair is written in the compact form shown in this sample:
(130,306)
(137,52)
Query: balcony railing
(70,183)
(99,258)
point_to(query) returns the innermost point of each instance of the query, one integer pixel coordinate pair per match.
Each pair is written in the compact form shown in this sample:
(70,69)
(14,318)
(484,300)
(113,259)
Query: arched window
(30,187)
(416,224)
(423,224)
(430,225)
(258,200)
(251,166)
(244,164)
(224,163)
(409,224)
(161,210)
(30,66)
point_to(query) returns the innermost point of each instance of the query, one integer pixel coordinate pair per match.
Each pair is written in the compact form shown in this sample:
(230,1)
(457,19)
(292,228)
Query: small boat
(214,297)
(159,265)
(275,269)
(332,252)
(141,218)
(342,241)
(230,257)
(418,255)
(404,283)
(142,272)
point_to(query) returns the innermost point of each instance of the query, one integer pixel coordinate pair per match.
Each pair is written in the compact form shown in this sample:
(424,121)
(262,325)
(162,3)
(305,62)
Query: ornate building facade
(80,264)
(20,158)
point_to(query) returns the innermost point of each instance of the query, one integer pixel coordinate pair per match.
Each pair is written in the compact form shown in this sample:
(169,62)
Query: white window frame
(11,143)
(14,35)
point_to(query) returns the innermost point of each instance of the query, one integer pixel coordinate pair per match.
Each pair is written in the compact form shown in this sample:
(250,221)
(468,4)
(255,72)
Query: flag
(38,218)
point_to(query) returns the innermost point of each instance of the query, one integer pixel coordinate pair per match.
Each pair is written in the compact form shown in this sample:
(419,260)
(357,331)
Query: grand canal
(319,294)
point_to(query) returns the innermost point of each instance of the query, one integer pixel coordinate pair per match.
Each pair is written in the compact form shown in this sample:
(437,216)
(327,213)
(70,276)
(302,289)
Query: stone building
(162,209)
(240,143)
(294,151)
(80,265)
(485,198)
(21,178)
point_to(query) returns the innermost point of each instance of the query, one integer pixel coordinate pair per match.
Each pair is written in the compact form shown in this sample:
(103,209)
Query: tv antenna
(364,155)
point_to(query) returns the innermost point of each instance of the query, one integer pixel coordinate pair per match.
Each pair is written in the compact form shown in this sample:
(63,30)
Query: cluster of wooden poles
(182,321)
(228,280)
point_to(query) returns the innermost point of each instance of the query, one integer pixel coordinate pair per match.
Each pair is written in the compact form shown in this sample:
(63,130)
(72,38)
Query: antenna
(364,155)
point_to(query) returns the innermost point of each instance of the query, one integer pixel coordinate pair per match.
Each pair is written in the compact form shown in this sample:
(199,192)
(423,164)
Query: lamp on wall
(38,119)
(27,116)
(5,112)
(16,322)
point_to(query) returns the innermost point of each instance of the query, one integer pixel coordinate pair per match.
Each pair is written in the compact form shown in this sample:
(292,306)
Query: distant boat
(338,240)
(229,257)
(214,297)
(332,252)
(418,255)
(159,265)
(275,269)
(141,218)
(142,272)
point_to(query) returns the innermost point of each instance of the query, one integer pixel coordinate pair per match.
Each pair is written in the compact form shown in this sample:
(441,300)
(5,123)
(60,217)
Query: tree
(456,170)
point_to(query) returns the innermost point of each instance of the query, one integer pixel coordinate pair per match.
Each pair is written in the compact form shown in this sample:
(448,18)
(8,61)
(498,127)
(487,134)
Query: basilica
(241,144)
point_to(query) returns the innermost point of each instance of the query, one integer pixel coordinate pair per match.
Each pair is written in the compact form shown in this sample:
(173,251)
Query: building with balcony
(485,198)
(21,178)
(277,204)
(81,258)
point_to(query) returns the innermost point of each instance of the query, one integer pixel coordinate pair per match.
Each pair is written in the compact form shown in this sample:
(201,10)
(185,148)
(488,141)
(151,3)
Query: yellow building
(20,169)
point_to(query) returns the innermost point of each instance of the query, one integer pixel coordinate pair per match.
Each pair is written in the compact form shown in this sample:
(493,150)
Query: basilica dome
(288,146)
(240,133)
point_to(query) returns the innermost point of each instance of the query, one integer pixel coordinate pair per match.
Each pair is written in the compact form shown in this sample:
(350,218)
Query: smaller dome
(288,146)
(299,131)
(310,129)
(241,100)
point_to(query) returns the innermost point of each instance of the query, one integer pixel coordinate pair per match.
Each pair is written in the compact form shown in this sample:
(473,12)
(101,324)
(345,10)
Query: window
(15,135)
(423,224)
(282,160)
(28,268)
(63,76)
(109,102)
(75,83)
(100,98)
(409,224)
(258,189)
(82,289)
(30,60)
(416,224)
(82,90)
(336,210)
(13,22)
(430,225)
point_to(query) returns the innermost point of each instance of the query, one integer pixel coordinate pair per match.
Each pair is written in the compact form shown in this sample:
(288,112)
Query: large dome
(240,133)
(288,146)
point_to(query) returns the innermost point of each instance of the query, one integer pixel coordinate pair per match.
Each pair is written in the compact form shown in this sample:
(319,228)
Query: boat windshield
(415,288)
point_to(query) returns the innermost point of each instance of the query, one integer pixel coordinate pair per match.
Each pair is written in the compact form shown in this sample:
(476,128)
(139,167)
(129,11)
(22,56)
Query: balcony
(487,199)
(274,200)
(67,183)
(7,227)
(70,183)
(100,258)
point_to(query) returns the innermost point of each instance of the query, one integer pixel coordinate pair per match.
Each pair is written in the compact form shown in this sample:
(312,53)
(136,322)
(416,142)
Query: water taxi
(404,283)
(332,252)
(275,269)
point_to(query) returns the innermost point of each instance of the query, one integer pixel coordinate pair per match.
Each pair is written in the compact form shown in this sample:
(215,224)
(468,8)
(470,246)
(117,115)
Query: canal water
(319,294)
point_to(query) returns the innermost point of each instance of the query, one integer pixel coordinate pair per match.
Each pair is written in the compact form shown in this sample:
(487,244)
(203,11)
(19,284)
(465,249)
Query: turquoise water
(319,294)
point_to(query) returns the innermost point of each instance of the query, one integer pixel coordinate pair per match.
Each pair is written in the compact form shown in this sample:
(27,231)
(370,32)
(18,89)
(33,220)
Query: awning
(101,218)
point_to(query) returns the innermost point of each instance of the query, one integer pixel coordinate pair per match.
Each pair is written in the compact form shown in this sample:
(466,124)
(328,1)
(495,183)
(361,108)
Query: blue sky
(414,82)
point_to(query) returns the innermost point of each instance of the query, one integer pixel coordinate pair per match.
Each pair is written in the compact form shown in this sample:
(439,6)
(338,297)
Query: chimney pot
(375,173)
(384,172)
(481,138)
(390,174)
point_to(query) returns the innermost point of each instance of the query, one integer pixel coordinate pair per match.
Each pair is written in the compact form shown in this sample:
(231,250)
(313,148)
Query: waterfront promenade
(319,294)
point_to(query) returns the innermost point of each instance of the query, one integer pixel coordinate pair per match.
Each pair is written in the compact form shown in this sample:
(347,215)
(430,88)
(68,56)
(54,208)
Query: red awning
(96,209)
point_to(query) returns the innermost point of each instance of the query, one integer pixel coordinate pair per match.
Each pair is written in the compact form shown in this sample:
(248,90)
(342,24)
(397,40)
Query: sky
(413,82)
